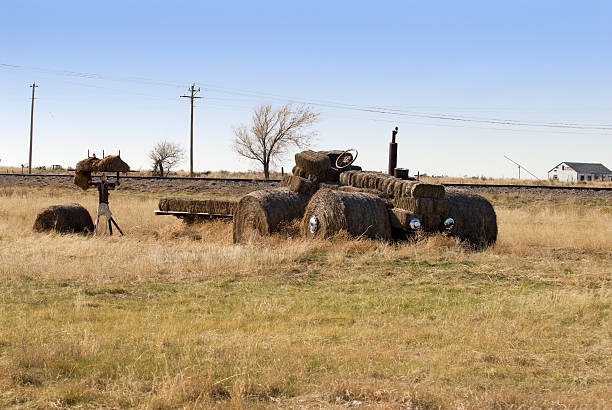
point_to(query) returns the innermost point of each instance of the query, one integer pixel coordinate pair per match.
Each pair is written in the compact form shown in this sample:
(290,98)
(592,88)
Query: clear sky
(420,62)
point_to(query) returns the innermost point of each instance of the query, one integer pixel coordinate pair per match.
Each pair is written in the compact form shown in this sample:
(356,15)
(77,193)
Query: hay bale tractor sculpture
(331,195)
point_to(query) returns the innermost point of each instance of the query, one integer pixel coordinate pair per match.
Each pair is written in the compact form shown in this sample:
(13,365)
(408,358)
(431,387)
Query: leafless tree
(165,156)
(273,131)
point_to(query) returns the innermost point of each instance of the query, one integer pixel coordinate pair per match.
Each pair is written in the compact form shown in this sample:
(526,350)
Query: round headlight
(313,224)
(449,223)
(415,224)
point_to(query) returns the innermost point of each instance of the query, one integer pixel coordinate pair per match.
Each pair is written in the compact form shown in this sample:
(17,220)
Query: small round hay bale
(264,212)
(475,219)
(357,213)
(81,179)
(69,218)
(88,164)
(113,163)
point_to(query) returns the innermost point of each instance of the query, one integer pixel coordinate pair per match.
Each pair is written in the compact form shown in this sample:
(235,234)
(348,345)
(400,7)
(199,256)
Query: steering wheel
(346,158)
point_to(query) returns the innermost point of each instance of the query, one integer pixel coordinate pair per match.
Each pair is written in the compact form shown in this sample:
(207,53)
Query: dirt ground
(222,188)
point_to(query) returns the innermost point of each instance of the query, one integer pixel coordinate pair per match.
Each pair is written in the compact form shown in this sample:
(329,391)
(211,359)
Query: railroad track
(506,186)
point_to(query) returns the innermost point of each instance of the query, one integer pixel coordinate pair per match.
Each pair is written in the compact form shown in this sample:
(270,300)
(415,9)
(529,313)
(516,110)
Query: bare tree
(273,131)
(165,156)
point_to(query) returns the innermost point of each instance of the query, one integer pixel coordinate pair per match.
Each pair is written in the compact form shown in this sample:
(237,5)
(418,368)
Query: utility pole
(192,95)
(31,128)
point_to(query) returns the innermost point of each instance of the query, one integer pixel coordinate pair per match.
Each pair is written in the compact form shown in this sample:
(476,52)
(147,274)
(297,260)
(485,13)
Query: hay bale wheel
(81,179)
(315,164)
(299,184)
(475,219)
(357,213)
(264,212)
(68,218)
(112,163)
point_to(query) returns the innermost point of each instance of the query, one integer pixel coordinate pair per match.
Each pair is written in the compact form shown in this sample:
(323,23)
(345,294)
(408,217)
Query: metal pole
(192,95)
(31,128)
(191,136)
(393,153)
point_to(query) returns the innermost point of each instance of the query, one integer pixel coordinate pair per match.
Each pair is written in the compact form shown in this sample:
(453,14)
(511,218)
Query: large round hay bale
(69,218)
(475,219)
(89,164)
(264,212)
(113,163)
(81,179)
(357,213)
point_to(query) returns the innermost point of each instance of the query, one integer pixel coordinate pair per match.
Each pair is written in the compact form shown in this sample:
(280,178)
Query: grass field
(171,316)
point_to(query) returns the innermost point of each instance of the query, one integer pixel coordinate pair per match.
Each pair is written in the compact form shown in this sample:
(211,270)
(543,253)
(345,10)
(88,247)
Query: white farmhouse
(579,171)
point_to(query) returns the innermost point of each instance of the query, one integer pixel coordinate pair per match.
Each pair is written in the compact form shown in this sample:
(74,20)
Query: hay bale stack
(194,206)
(475,219)
(264,212)
(81,179)
(69,218)
(299,184)
(357,213)
(112,163)
(88,164)
(315,164)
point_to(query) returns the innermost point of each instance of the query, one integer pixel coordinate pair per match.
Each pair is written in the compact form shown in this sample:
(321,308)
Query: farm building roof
(586,167)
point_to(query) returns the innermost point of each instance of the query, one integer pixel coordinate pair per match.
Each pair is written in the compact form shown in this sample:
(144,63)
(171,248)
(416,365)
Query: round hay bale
(69,218)
(88,164)
(81,179)
(264,212)
(357,213)
(113,163)
(475,219)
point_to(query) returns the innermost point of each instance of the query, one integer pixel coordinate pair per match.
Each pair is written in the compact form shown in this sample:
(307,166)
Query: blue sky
(531,62)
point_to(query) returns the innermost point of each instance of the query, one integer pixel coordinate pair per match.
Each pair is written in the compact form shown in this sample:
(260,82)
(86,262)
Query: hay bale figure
(69,218)
(475,219)
(112,163)
(357,213)
(299,184)
(194,206)
(261,213)
(88,164)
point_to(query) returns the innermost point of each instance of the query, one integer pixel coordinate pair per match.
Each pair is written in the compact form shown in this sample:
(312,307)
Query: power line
(330,104)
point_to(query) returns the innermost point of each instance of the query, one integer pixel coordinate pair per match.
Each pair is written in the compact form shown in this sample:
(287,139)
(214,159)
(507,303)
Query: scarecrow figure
(103,186)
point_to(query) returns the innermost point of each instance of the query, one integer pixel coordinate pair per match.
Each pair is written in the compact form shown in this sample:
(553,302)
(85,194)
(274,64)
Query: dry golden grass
(515,181)
(171,316)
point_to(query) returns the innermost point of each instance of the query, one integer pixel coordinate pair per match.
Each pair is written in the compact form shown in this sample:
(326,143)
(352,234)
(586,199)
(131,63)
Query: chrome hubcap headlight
(313,224)
(415,224)
(449,223)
